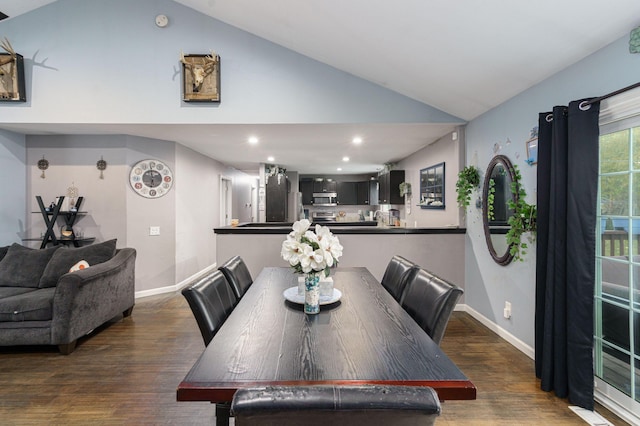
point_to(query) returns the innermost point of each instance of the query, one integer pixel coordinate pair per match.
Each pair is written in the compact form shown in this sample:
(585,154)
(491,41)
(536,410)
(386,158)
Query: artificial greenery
(523,219)
(490,199)
(468,180)
(405,189)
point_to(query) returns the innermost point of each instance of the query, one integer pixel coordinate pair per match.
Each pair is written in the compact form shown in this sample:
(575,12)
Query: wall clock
(151,178)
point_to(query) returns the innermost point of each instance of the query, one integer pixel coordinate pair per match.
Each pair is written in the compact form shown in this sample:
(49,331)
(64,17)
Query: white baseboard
(175,287)
(513,340)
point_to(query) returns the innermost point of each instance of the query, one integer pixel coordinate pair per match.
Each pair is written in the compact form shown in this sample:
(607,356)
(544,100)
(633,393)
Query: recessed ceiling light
(253,140)
(271,159)
(345,159)
(339,169)
(357,140)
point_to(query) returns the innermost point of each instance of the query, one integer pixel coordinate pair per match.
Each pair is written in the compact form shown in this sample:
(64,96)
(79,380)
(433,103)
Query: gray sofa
(41,303)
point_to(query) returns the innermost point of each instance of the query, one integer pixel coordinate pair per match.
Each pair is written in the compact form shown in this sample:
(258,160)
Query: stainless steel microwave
(325,199)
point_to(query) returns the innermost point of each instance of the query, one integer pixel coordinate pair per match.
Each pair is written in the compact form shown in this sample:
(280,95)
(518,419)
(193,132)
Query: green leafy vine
(523,219)
(468,180)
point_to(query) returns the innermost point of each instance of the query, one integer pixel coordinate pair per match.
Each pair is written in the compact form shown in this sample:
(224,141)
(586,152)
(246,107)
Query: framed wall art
(200,78)
(12,86)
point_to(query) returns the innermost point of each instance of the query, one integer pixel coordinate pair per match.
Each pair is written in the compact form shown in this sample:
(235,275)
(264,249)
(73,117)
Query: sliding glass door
(617,295)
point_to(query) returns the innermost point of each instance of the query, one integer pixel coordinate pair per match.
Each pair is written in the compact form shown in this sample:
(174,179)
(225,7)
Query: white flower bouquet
(311,252)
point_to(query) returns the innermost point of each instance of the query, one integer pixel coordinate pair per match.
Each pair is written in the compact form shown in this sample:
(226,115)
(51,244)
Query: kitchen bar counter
(338,228)
(440,250)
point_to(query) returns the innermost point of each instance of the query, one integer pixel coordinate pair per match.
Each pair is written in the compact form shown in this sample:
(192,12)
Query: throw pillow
(79,266)
(64,259)
(3,251)
(23,266)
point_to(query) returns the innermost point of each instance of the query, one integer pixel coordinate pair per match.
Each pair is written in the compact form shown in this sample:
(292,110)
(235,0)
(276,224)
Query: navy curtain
(565,251)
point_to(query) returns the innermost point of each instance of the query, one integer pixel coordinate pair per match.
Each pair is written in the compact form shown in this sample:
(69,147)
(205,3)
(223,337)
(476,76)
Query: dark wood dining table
(364,338)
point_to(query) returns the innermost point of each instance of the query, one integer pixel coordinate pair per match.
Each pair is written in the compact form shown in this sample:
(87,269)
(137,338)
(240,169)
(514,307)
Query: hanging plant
(405,189)
(468,180)
(523,219)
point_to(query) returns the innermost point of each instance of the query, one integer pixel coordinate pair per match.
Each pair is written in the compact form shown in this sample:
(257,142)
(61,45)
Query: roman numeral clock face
(151,178)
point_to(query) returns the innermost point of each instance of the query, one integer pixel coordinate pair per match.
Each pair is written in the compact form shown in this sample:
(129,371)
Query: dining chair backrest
(211,300)
(396,275)
(353,405)
(238,275)
(430,300)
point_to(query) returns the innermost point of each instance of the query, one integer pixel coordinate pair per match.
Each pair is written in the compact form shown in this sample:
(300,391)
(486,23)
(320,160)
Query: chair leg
(127,312)
(223,411)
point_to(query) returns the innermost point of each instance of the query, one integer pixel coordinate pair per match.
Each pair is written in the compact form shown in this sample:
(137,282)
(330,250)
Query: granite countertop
(338,228)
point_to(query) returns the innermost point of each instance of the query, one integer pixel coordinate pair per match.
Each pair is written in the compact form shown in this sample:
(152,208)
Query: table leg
(223,411)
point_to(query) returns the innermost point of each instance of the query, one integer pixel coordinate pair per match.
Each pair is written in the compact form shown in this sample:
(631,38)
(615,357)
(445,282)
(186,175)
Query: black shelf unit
(50,217)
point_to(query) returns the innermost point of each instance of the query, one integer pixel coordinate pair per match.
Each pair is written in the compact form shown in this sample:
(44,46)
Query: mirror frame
(507,257)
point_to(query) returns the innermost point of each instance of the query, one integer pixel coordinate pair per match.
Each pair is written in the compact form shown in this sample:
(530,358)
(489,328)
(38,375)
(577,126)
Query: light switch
(154,230)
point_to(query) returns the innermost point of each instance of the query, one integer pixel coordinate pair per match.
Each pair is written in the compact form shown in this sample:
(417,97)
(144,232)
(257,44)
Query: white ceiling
(463,57)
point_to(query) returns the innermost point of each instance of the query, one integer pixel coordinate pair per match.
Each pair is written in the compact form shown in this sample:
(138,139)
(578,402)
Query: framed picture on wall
(532,151)
(12,87)
(200,78)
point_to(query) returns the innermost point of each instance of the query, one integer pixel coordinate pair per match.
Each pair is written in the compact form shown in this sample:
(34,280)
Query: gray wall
(442,254)
(445,150)
(489,285)
(13,157)
(91,61)
(96,61)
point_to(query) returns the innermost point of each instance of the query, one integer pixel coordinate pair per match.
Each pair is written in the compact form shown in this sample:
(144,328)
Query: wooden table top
(365,338)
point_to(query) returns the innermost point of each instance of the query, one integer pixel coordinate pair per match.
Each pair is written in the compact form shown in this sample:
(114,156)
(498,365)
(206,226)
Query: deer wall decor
(4,59)
(200,71)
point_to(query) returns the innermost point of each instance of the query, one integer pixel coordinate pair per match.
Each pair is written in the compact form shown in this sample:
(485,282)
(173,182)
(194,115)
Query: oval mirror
(496,194)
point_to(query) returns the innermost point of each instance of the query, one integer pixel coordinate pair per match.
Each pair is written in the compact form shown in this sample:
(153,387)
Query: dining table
(361,335)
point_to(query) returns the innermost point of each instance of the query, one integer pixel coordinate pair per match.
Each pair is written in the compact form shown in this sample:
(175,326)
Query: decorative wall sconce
(43,165)
(101,165)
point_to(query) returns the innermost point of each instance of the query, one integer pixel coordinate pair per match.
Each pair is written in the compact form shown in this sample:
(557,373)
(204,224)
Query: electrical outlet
(154,230)
(507,310)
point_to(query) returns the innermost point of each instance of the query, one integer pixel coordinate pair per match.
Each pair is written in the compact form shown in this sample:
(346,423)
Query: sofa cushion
(36,305)
(3,251)
(23,266)
(62,260)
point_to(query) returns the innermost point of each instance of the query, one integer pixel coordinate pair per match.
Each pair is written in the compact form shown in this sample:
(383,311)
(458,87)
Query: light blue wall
(489,285)
(106,62)
(13,174)
(99,61)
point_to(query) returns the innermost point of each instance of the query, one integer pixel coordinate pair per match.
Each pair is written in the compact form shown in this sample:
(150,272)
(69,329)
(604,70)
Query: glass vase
(311,293)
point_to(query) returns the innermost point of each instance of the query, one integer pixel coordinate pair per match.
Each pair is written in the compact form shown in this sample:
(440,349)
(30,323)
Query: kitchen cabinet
(324,185)
(368,192)
(389,187)
(306,188)
(347,193)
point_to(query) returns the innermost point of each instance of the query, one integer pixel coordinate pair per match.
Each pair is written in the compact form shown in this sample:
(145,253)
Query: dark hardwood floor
(127,373)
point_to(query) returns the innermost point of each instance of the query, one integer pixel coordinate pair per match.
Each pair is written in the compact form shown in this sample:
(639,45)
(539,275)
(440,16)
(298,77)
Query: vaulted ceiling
(463,57)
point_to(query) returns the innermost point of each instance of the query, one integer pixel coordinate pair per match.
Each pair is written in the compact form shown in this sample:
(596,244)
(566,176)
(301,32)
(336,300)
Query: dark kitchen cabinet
(277,193)
(389,187)
(324,185)
(306,188)
(347,193)
(368,192)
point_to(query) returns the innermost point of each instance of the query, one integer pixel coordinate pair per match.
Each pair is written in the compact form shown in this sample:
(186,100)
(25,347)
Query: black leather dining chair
(238,275)
(396,275)
(430,300)
(211,300)
(353,405)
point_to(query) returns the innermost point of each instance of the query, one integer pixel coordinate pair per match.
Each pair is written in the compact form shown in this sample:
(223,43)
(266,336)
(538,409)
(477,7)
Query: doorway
(226,200)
